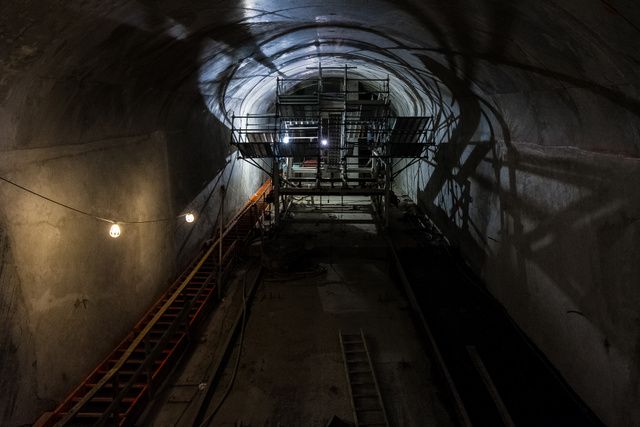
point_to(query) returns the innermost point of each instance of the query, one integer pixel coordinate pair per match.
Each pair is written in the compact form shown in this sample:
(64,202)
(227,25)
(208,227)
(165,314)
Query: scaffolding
(331,135)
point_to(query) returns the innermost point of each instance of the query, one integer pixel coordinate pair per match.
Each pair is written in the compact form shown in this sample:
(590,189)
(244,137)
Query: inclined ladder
(366,401)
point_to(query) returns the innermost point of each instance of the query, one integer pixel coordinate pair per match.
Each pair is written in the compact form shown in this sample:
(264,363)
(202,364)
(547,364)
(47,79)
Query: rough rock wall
(537,181)
(110,122)
(540,192)
(66,278)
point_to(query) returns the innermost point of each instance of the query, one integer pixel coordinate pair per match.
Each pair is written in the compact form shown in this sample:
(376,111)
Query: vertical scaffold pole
(223,192)
(275,180)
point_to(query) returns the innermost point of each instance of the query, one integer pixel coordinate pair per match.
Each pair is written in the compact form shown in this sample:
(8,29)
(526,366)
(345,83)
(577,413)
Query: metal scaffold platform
(334,134)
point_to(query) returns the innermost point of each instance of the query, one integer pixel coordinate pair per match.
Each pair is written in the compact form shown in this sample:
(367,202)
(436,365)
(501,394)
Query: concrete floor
(291,371)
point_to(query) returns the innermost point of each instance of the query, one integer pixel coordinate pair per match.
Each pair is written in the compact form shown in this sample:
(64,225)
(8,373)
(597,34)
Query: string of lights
(115,231)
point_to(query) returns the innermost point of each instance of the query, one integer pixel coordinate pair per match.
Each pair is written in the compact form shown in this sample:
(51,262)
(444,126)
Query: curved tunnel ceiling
(294,42)
(159,61)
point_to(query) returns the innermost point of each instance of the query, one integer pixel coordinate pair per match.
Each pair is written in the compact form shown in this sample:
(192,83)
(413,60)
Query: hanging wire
(10,182)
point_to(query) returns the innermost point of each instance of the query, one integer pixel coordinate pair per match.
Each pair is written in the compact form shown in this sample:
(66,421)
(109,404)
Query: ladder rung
(369,411)
(365,395)
(359,371)
(120,385)
(89,414)
(104,399)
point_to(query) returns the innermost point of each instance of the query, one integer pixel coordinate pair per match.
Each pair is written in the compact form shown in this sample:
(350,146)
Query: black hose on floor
(209,417)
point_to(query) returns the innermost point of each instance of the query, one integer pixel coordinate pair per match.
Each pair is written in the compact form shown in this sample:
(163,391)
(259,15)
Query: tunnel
(117,123)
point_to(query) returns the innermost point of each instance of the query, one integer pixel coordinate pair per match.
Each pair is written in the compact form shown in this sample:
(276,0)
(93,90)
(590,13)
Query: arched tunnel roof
(91,61)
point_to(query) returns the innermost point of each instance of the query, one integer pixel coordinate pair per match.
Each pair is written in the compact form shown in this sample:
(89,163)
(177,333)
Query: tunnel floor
(322,277)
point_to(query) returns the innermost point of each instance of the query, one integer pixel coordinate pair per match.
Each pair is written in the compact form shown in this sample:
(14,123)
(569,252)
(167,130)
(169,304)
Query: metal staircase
(117,391)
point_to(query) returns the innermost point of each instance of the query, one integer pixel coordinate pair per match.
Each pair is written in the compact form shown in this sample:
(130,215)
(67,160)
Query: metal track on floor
(117,391)
(366,400)
(460,410)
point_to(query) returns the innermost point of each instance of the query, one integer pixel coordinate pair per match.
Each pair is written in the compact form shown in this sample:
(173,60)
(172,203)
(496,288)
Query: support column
(275,181)
(223,193)
(387,191)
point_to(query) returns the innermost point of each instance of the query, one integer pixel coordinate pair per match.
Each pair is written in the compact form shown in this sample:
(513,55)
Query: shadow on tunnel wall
(523,214)
(164,76)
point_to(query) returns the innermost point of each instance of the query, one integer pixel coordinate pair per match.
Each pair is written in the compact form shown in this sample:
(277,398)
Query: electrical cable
(8,181)
(206,202)
(208,419)
(216,227)
(217,339)
(80,211)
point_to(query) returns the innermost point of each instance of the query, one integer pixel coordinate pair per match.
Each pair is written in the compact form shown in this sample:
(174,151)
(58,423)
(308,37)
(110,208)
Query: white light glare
(189,217)
(285,139)
(324,142)
(114,231)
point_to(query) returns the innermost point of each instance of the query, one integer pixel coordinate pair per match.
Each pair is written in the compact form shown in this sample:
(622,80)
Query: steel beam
(337,191)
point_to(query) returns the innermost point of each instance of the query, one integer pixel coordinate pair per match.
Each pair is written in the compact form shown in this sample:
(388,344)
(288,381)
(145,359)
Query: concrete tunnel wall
(121,108)
(95,120)
(537,184)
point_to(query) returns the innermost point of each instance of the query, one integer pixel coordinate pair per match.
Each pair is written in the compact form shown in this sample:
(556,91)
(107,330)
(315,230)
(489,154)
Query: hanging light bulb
(115,231)
(324,142)
(189,217)
(285,139)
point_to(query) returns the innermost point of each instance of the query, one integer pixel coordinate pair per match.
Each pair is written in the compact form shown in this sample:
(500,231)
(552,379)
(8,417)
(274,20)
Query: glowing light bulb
(115,231)
(285,139)
(189,217)
(324,142)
